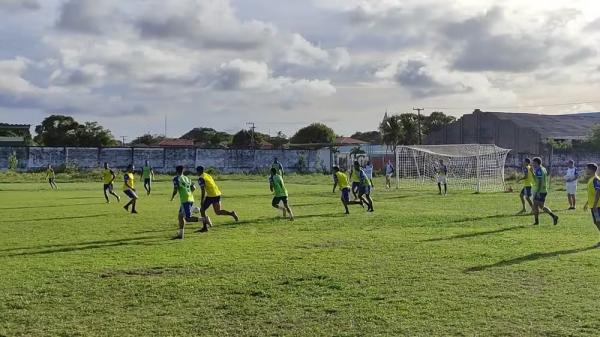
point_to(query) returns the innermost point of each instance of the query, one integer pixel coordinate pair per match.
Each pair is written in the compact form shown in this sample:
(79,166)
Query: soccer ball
(196,210)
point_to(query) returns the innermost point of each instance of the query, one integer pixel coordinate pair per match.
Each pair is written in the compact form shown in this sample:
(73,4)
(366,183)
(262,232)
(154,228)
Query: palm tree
(392,131)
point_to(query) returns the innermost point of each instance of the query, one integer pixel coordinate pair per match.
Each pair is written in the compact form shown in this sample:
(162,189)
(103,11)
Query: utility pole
(252,129)
(165,126)
(123,137)
(418,110)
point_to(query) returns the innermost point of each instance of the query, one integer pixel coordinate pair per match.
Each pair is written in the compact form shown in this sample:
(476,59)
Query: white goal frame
(477,167)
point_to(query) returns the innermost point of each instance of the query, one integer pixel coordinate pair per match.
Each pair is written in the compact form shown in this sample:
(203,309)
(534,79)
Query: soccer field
(421,265)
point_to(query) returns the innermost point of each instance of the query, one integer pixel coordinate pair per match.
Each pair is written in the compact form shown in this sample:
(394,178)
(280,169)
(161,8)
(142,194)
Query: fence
(165,159)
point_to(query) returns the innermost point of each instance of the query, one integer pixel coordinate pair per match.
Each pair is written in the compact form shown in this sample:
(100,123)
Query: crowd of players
(358,181)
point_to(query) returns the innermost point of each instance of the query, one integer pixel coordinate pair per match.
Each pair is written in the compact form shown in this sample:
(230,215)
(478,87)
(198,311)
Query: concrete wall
(165,159)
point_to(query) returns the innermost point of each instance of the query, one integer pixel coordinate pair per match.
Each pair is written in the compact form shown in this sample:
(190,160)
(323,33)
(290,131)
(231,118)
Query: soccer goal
(477,167)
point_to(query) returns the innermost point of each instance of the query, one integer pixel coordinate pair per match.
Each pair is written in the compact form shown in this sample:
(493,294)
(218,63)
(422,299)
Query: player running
(280,193)
(369,171)
(528,181)
(211,195)
(183,186)
(109,177)
(355,178)
(364,189)
(51,176)
(389,173)
(277,166)
(571,183)
(147,175)
(341,179)
(593,193)
(540,191)
(129,189)
(441,172)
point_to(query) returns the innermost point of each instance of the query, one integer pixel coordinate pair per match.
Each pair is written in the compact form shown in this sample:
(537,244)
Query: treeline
(59,130)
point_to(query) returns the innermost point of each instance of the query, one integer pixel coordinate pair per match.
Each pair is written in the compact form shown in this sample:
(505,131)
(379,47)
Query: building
(522,132)
(347,141)
(176,142)
(14,134)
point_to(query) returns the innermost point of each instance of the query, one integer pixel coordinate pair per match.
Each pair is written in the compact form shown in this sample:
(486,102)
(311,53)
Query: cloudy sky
(286,63)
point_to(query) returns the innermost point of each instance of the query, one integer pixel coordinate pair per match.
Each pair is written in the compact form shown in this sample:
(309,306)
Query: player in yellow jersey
(51,176)
(341,179)
(108,176)
(211,196)
(528,181)
(129,189)
(593,193)
(183,186)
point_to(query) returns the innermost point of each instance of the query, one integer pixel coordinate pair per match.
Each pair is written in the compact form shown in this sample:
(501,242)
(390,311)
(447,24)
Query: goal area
(477,167)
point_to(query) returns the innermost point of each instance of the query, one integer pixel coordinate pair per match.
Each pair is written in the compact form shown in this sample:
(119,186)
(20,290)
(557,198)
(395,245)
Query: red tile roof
(349,141)
(172,142)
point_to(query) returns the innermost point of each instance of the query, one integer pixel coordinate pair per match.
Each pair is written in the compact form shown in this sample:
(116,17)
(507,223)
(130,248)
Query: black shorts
(147,181)
(108,187)
(540,197)
(209,201)
(595,215)
(278,200)
(355,186)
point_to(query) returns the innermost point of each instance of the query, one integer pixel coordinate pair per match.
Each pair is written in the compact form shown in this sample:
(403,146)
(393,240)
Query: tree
(148,139)
(592,140)
(207,136)
(373,137)
(436,121)
(279,141)
(410,125)
(392,131)
(315,133)
(58,130)
(243,139)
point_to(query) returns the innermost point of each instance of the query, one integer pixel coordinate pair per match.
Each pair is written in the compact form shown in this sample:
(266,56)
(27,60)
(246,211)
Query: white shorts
(441,180)
(571,188)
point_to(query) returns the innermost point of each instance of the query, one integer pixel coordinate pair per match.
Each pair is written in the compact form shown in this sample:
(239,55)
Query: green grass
(421,265)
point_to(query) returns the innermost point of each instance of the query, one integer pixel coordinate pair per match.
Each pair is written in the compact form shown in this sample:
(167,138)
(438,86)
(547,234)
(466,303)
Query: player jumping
(211,195)
(528,181)
(540,191)
(364,189)
(183,186)
(147,175)
(109,177)
(129,189)
(593,193)
(280,193)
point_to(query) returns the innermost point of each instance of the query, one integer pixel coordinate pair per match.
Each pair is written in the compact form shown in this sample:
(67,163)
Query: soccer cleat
(555,219)
(134,212)
(203,229)
(177,237)
(235,216)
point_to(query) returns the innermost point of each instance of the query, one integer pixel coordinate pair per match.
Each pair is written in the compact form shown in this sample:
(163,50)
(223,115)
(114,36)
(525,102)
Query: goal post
(477,167)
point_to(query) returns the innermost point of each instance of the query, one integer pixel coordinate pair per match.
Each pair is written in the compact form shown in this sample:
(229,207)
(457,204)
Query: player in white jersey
(369,171)
(389,173)
(571,183)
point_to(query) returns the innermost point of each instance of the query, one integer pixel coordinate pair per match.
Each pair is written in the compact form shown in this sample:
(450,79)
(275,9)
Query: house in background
(15,134)
(524,133)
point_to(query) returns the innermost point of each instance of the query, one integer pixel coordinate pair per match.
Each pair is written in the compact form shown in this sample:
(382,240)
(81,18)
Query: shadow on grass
(487,217)
(471,235)
(51,219)
(278,219)
(51,206)
(529,258)
(65,248)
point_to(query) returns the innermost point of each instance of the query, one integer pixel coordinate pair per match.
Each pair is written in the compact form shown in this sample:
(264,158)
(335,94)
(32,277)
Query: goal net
(477,167)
